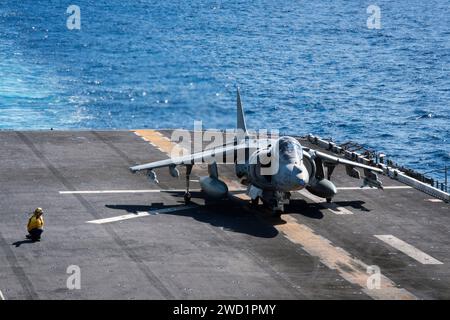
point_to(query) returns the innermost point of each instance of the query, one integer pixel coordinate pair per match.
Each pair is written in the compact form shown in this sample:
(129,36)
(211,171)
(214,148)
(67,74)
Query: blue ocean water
(302,66)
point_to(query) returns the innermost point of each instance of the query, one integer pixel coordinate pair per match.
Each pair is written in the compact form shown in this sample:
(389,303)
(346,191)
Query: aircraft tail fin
(240,114)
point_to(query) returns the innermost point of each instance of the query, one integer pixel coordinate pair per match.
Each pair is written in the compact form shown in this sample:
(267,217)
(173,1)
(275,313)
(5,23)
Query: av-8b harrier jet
(270,168)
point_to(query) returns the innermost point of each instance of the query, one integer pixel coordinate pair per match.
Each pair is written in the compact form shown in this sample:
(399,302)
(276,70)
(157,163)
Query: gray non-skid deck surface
(216,252)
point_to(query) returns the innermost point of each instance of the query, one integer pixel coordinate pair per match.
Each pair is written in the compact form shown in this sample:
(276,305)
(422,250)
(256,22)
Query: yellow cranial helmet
(38,211)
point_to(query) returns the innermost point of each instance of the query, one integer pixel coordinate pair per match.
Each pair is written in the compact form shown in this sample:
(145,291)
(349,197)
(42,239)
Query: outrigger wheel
(187,197)
(187,194)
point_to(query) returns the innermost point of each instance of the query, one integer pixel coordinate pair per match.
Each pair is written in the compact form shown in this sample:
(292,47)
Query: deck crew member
(36,225)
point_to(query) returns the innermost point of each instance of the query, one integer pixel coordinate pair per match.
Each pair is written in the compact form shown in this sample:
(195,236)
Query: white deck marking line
(435,200)
(408,249)
(2,297)
(368,188)
(136,191)
(349,267)
(117,191)
(334,208)
(140,214)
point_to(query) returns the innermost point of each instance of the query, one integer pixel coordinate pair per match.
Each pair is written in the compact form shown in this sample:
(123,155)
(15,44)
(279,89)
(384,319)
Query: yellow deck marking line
(351,269)
(160,141)
(333,207)
(164,144)
(242,196)
(233,185)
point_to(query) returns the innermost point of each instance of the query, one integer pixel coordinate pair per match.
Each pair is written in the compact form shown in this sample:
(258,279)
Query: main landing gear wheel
(328,200)
(277,208)
(277,213)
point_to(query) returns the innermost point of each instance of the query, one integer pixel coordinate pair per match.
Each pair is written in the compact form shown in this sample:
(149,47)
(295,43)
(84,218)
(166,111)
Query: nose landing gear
(278,201)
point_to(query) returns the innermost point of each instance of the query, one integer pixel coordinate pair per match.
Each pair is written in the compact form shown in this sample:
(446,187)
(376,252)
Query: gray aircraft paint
(290,167)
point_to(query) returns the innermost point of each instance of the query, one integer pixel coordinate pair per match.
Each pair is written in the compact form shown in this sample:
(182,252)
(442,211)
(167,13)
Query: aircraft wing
(370,179)
(199,157)
(332,159)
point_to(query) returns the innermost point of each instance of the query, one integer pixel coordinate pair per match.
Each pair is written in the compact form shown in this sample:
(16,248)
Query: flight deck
(133,239)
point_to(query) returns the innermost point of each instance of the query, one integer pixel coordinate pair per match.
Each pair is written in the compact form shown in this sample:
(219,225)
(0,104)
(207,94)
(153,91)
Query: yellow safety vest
(35,223)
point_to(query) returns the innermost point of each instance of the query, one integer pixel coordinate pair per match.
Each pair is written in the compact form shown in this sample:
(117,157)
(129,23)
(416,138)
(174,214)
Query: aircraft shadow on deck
(309,210)
(355,204)
(316,210)
(237,216)
(230,217)
(296,206)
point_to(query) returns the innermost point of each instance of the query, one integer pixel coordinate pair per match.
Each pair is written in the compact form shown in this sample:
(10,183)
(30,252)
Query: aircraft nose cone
(291,177)
(297,178)
(296,170)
